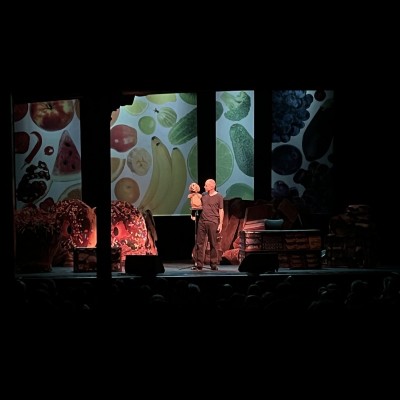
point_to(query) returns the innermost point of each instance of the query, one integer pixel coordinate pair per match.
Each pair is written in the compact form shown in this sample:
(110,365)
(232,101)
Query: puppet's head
(195,196)
(194,188)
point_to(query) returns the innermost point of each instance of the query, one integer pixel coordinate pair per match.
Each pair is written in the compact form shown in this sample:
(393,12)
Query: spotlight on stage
(259,263)
(146,265)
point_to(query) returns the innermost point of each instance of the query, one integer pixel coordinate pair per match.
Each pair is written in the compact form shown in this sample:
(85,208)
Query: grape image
(289,112)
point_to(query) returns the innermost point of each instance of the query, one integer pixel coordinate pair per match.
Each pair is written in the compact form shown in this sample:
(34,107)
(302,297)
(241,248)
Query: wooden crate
(295,248)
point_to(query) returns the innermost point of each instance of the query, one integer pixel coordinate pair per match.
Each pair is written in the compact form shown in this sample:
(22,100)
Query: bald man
(209,226)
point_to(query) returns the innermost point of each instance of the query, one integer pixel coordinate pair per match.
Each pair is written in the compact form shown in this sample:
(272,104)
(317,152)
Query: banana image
(178,184)
(155,176)
(163,159)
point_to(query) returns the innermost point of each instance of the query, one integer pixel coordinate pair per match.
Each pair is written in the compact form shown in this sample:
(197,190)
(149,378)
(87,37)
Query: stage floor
(182,269)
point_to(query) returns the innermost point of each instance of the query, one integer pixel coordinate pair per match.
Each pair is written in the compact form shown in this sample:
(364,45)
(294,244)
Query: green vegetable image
(243,148)
(190,98)
(184,129)
(224,158)
(238,105)
(319,133)
(219,110)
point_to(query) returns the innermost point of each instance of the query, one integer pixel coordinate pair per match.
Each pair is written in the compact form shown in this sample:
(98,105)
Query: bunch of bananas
(168,180)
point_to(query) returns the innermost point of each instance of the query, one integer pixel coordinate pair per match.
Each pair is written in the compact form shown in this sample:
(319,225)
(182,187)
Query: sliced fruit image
(117,166)
(71,192)
(224,164)
(67,166)
(139,160)
(139,106)
(242,190)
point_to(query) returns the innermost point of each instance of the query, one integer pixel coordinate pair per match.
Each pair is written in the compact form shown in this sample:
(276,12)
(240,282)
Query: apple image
(123,137)
(20,111)
(52,115)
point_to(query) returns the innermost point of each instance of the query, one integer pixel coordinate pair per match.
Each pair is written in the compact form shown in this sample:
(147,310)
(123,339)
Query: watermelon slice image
(67,166)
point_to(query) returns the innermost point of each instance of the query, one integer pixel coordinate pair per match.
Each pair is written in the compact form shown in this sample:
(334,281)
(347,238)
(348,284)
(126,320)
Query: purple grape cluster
(289,111)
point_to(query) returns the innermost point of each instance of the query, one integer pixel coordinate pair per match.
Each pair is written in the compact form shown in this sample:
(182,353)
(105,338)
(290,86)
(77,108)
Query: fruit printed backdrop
(153,147)
(235,144)
(303,124)
(47,151)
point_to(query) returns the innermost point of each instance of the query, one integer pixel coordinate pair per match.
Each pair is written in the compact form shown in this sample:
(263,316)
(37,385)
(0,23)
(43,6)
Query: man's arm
(221,220)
